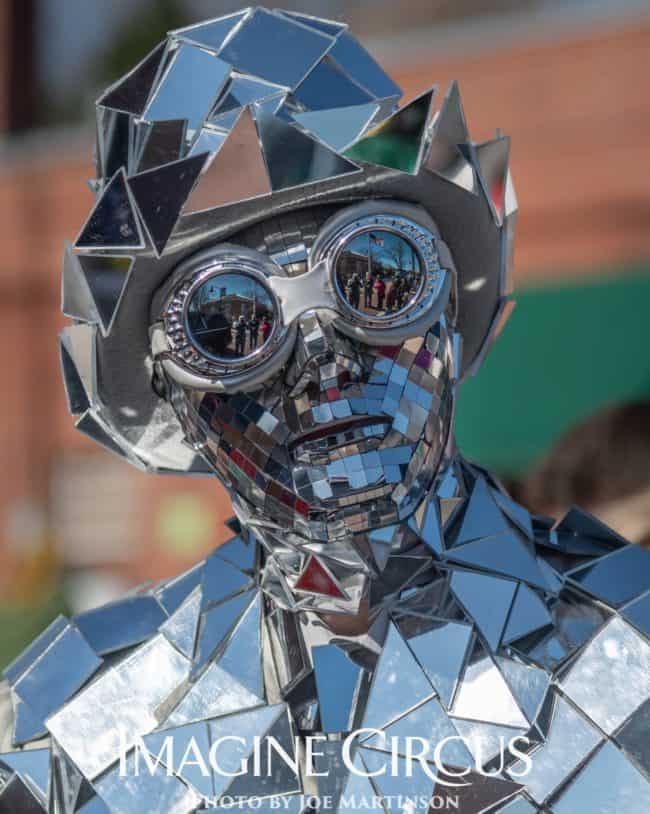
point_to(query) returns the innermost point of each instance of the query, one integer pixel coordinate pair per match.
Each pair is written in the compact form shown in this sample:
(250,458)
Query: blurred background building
(567,79)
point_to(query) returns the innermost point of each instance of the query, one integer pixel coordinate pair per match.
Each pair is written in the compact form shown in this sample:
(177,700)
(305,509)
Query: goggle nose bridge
(307,292)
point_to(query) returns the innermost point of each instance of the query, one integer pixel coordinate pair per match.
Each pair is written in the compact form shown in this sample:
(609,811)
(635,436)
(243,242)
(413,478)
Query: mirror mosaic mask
(319,415)
(283,281)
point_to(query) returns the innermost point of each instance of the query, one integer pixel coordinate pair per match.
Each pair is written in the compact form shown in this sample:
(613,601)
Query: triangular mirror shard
(518,514)
(240,553)
(442,652)
(164,144)
(172,594)
(444,157)
(237,171)
(220,581)
(214,627)
(80,344)
(338,127)
(208,141)
(32,765)
(191,69)
(529,685)
(380,548)
(131,93)
(362,68)
(529,613)
(296,49)
(242,656)
(428,526)
(486,599)
(483,517)
(112,223)
(397,685)
(398,141)
(161,194)
(243,90)
(76,300)
(211,34)
(482,680)
(113,141)
(317,579)
(77,398)
(337,685)
(293,159)
(503,553)
(326,86)
(451,124)
(493,157)
(180,628)
(107,278)
(581,523)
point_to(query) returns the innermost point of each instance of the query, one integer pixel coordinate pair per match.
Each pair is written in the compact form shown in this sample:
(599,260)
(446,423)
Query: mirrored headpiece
(224,125)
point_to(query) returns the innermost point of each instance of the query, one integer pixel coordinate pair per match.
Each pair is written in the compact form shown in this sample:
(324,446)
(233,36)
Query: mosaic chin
(325,420)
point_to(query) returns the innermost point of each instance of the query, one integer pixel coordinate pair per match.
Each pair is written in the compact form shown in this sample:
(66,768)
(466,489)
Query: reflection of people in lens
(253,330)
(401,287)
(353,292)
(391,293)
(367,290)
(266,329)
(216,334)
(380,292)
(240,336)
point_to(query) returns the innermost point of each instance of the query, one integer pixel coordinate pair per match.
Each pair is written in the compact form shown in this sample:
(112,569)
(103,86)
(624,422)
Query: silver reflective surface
(624,656)
(570,739)
(378,273)
(119,706)
(189,87)
(609,784)
(230,316)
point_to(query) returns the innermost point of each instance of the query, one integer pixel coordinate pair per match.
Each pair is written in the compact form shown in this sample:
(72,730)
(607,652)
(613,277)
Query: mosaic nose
(323,357)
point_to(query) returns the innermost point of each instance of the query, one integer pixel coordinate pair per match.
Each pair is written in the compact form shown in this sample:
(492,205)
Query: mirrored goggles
(229,314)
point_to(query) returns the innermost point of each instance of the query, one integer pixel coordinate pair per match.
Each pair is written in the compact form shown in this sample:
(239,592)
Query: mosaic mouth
(337,435)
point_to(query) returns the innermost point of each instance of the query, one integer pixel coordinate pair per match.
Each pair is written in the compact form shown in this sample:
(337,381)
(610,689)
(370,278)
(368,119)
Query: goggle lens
(230,316)
(378,274)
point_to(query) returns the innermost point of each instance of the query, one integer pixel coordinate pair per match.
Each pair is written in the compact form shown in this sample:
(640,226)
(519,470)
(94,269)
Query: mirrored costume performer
(283,281)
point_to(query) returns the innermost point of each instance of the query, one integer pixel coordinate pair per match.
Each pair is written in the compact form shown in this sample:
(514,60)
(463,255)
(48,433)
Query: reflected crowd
(378,273)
